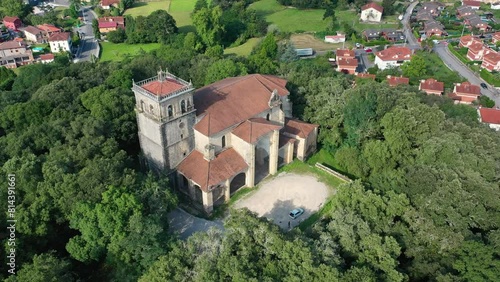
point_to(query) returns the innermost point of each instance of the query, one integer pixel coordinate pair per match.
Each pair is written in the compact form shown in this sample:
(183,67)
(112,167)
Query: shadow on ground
(184,224)
(279,214)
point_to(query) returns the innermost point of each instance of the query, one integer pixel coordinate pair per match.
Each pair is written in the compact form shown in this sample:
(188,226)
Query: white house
(495,6)
(60,42)
(371,12)
(490,117)
(393,56)
(335,38)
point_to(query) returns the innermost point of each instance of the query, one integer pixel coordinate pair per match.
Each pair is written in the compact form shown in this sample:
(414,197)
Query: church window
(142,106)
(170,111)
(223,141)
(183,106)
(267,117)
(151,109)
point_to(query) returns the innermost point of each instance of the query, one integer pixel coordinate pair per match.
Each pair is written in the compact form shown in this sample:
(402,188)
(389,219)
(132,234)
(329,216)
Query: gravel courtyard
(276,197)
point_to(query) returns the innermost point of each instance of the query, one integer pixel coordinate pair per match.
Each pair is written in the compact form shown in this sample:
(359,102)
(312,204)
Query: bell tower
(165,120)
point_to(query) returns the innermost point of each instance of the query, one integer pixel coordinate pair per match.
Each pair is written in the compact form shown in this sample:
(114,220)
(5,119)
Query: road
(412,41)
(185,224)
(455,64)
(88,45)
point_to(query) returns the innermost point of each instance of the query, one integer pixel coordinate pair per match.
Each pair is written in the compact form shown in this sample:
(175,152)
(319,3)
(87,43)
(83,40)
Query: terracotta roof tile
(366,75)
(234,100)
(251,130)
(33,30)
(48,28)
(61,36)
(298,128)
(107,24)
(47,57)
(372,5)
(396,80)
(467,99)
(467,88)
(10,19)
(345,53)
(109,2)
(471,3)
(11,45)
(490,115)
(343,62)
(205,173)
(285,140)
(163,88)
(431,85)
(394,53)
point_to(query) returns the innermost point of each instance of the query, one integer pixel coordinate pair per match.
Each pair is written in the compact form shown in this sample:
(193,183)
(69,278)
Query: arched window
(189,103)
(183,106)
(267,117)
(151,109)
(223,141)
(169,111)
(142,106)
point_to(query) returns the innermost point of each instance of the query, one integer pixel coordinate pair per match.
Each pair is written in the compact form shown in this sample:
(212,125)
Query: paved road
(185,224)
(455,64)
(88,45)
(412,41)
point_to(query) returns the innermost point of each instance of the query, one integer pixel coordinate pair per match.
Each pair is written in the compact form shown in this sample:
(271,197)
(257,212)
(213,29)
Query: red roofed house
(107,24)
(490,116)
(396,80)
(473,4)
(465,93)
(466,41)
(221,137)
(476,51)
(347,65)
(491,60)
(431,86)
(48,30)
(14,54)
(46,58)
(496,37)
(392,57)
(60,42)
(13,23)
(106,4)
(345,53)
(33,34)
(371,12)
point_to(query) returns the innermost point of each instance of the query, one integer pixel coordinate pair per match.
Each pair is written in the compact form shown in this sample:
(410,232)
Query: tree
(44,267)
(389,7)
(7,78)
(415,68)
(208,24)
(116,36)
(485,101)
(200,4)
(13,7)
(222,69)
(161,25)
(329,12)
(287,52)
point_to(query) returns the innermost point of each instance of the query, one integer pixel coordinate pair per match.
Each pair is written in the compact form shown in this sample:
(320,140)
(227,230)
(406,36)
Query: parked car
(368,50)
(296,213)
(358,45)
(483,85)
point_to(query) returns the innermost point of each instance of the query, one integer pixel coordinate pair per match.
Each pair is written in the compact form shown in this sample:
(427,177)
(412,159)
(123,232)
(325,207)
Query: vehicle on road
(358,45)
(296,213)
(368,50)
(483,85)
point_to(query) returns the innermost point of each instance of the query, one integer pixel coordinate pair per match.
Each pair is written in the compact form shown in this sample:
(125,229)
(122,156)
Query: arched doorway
(237,182)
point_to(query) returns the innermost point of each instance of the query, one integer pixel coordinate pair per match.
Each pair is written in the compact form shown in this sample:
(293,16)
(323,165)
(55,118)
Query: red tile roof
(60,36)
(366,75)
(491,57)
(431,85)
(471,3)
(251,130)
(396,80)
(298,128)
(466,99)
(163,88)
(467,88)
(205,173)
(109,2)
(107,24)
(343,62)
(372,5)
(10,19)
(33,30)
(48,28)
(476,46)
(285,139)
(46,57)
(233,100)
(11,45)
(394,53)
(496,36)
(345,53)
(490,115)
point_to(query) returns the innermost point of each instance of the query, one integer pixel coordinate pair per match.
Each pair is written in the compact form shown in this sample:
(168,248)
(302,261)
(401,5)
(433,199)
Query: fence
(333,172)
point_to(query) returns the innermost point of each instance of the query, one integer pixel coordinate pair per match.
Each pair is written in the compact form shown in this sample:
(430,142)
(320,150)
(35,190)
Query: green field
(146,8)
(244,49)
(116,52)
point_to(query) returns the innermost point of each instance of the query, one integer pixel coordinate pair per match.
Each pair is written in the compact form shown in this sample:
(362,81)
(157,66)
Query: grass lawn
(352,18)
(146,8)
(116,52)
(244,49)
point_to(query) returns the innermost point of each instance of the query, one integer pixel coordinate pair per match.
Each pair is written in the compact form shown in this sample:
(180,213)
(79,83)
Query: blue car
(296,213)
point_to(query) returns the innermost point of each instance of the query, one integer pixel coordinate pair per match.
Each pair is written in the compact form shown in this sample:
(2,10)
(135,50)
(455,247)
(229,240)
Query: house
(371,34)
(221,137)
(490,117)
(335,38)
(389,34)
(107,24)
(496,37)
(107,4)
(423,15)
(495,6)
(464,11)
(474,21)
(465,93)
(33,34)
(366,75)
(491,60)
(466,41)
(371,12)
(434,8)
(431,86)
(345,53)
(347,65)
(434,28)
(60,42)
(46,58)
(393,56)
(396,80)
(48,30)
(476,51)
(475,5)
(14,54)
(12,23)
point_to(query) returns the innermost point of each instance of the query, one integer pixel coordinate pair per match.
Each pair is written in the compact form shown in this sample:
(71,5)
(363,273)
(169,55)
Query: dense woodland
(424,206)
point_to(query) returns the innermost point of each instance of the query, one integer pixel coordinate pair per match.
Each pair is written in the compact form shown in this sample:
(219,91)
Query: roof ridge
(238,79)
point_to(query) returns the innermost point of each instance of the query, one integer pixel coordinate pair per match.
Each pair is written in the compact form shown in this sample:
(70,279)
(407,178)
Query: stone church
(219,138)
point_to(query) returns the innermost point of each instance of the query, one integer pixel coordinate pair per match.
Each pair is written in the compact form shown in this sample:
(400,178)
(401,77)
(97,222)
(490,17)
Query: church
(219,138)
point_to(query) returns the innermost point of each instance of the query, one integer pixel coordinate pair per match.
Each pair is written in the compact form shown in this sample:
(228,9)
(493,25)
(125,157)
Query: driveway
(185,224)
(276,197)
(455,64)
